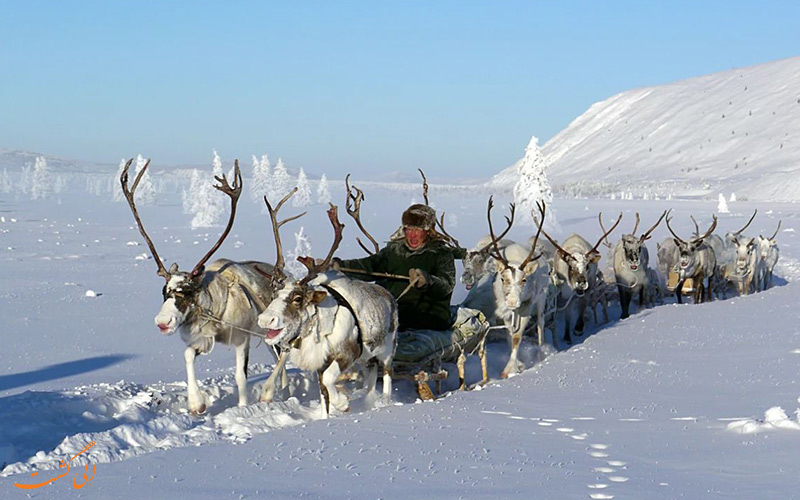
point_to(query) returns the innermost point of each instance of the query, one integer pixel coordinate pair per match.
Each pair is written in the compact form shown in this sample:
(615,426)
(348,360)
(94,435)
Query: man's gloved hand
(422,278)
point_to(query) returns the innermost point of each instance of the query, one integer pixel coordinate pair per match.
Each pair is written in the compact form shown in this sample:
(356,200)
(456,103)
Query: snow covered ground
(674,402)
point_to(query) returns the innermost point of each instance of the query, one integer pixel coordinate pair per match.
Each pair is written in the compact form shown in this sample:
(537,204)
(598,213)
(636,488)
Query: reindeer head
(292,310)
(688,260)
(180,295)
(581,264)
(632,244)
(767,246)
(745,253)
(514,263)
(182,289)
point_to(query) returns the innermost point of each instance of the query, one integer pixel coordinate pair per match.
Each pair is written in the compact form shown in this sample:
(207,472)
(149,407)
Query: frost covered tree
(42,180)
(189,197)
(281,182)
(323,194)
(732,198)
(25,179)
(116,192)
(722,205)
(302,247)
(532,186)
(302,198)
(260,185)
(5,182)
(146,191)
(208,204)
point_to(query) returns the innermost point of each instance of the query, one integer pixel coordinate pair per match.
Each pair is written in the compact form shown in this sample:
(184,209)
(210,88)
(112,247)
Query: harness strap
(343,303)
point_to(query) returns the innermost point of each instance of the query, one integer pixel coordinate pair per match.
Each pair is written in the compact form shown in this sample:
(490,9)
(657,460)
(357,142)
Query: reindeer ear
(677,243)
(531,267)
(317,297)
(173,268)
(594,256)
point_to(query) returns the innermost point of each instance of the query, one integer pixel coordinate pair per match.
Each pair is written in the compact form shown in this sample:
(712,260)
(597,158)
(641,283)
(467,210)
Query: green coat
(420,308)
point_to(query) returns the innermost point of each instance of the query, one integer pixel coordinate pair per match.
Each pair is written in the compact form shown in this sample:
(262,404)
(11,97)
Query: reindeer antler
(509,220)
(737,233)
(594,248)
(530,257)
(600,220)
(673,232)
(450,239)
(636,226)
(696,227)
(353,208)
(710,229)
(123,178)
(776,230)
(424,186)
(646,236)
(273,215)
(338,227)
(234,192)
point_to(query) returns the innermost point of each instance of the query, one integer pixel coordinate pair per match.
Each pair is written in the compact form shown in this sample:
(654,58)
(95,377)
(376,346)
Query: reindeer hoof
(199,411)
(504,375)
(424,391)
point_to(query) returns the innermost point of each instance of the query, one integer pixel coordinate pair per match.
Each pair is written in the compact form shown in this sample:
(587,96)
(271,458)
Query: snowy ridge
(732,131)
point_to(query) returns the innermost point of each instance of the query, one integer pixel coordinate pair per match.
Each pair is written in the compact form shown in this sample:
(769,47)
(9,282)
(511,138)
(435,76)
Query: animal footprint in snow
(579,437)
(564,429)
(617,463)
(618,479)
(598,454)
(544,424)
(599,446)
(601,496)
(598,486)
(604,470)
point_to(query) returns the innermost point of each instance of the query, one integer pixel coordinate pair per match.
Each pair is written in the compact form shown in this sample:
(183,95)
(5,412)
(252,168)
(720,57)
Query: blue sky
(454,87)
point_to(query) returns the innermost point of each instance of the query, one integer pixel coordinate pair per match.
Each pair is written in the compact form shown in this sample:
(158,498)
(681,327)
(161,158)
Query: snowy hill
(15,160)
(733,131)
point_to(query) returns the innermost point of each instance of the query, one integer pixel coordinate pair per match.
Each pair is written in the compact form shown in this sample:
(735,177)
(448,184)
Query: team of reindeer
(328,323)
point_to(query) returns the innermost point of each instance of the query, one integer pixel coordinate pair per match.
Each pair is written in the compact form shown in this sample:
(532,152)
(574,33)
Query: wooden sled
(672,284)
(420,354)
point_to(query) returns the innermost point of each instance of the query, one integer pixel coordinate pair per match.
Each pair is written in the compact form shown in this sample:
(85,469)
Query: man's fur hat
(421,216)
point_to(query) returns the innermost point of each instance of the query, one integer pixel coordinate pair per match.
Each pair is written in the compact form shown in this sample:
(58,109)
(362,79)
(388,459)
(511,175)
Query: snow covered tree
(302,198)
(260,185)
(146,191)
(207,203)
(281,182)
(5,182)
(722,206)
(116,193)
(302,247)
(732,198)
(323,194)
(25,179)
(190,196)
(216,165)
(42,180)
(532,186)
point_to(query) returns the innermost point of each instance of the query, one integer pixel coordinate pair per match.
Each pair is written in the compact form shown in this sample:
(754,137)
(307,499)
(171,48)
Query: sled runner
(420,353)
(672,284)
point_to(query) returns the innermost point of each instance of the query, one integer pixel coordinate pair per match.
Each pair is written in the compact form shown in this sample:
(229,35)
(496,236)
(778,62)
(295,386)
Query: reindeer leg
(328,377)
(460,363)
(624,301)
(240,372)
(324,396)
(484,363)
(197,400)
(278,373)
(679,291)
(387,379)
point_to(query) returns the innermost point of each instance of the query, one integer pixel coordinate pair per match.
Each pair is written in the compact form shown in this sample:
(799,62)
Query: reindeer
(519,284)
(575,273)
(767,257)
(327,322)
(631,260)
(668,256)
(217,303)
(697,262)
(735,258)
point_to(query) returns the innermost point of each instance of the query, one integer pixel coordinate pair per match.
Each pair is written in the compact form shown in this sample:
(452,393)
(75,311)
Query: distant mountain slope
(733,131)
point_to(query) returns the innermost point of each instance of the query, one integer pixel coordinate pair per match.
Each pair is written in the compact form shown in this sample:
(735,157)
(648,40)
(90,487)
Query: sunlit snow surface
(676,401)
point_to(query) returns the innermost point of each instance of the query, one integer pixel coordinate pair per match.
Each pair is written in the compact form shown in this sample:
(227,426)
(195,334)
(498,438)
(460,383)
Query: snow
(676,401)
(736,130)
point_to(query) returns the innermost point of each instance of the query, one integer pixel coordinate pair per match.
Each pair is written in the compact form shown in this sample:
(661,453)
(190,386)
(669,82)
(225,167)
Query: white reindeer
(697,262)
(768,255)
(575,271)
(735,259)
(631,261)
(218,303)
(327,322)
(519,285)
